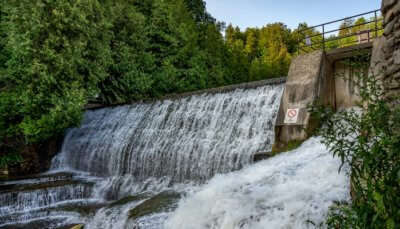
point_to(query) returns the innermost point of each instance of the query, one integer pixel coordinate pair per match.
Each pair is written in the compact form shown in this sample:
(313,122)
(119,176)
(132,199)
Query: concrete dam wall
(314,78)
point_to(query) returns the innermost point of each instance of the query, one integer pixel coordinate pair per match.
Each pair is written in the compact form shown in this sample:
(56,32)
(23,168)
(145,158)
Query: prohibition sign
(292,113)
(292,116)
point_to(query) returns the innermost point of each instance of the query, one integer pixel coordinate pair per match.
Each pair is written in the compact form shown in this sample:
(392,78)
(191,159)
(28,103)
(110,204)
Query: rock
(386,4)
(393,84)
(391,13)
(389,61)
(161,202)
(389,28)
(396,57)
(388,17)
(396,76)
(79,226)
(394,68)
(391,50)
(389,45)
(262,156)
(36,157)
(3,174)
(397,35)
(393,95)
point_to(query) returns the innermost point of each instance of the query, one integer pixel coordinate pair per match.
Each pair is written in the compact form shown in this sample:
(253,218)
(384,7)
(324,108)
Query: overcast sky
(256,13)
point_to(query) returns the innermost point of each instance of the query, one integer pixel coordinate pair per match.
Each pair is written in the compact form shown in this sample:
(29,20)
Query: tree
(56,58)
(199,12)
(299,36)
(273,45)
(129,73)
(251,47)
(117,51)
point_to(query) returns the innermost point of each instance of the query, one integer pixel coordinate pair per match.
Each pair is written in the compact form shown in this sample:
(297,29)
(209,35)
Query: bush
(368,141)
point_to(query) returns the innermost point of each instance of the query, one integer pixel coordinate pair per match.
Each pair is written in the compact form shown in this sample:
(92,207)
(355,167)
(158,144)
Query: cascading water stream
(185,139)
(128,166)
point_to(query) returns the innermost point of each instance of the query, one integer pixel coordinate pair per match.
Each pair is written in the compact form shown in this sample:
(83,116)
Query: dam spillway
(149,147)
(146,166)
(191,138)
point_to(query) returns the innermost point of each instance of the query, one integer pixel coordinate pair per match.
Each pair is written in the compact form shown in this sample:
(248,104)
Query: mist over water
(179,164)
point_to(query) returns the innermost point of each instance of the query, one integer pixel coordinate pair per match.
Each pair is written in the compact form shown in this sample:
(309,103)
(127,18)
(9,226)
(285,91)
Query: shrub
(368,140)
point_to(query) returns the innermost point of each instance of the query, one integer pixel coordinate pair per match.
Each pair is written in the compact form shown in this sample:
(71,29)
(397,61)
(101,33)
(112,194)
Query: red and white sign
(291,116)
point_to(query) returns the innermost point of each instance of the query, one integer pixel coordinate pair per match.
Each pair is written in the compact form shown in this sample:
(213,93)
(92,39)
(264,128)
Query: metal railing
(325,38)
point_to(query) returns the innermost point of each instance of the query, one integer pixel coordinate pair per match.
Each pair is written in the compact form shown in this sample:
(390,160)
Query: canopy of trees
(261,53)
(57,55)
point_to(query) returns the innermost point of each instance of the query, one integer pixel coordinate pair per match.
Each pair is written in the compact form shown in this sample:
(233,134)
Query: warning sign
(292,116)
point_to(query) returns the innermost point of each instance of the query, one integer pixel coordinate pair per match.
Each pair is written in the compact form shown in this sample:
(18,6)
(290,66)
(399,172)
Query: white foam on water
(187,139)
(174,144)
(287,191)
(110,218)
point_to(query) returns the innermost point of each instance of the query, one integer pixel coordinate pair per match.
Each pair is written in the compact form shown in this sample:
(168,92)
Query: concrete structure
(312,78)
(346,85)
(317,78)
(307,83)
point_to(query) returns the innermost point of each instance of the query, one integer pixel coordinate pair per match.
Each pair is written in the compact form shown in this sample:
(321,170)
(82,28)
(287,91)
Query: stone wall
(391,49)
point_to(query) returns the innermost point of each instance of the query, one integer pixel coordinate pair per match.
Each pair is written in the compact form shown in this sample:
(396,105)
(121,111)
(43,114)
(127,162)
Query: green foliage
(128,73)
(314,36)
(57,55)
(55,58)
(369,142)
(261,53)
(9,159)
(162,47)
(349,36)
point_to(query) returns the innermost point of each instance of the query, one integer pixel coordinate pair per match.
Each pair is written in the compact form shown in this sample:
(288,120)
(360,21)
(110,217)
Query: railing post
(323,38)
(369,36)
(298,42)
(376,24)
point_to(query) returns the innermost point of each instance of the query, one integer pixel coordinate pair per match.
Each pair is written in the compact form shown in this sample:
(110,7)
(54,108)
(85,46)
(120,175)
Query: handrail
(343,19)
(305,40)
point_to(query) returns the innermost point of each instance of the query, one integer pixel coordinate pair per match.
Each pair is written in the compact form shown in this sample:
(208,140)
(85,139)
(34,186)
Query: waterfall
(182,163)
(191,138)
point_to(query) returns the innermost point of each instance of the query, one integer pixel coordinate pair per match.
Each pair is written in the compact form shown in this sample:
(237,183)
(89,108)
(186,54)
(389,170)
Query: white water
(31,200)
(187,139)
(283,192)
(177,145)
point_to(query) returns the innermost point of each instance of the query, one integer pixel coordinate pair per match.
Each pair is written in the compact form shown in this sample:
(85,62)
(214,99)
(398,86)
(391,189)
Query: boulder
(386,4)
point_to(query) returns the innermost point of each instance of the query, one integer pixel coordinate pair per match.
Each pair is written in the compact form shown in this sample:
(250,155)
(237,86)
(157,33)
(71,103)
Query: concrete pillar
(309,80)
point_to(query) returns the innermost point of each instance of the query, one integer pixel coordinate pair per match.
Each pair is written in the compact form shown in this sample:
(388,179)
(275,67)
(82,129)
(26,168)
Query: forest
(56,56)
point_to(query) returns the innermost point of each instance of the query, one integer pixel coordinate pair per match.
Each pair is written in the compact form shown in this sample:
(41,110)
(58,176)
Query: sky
(256,13)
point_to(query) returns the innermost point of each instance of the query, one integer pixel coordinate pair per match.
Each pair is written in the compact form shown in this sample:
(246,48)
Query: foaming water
(148,166)
(124,153)
(288,191)
(187,139)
